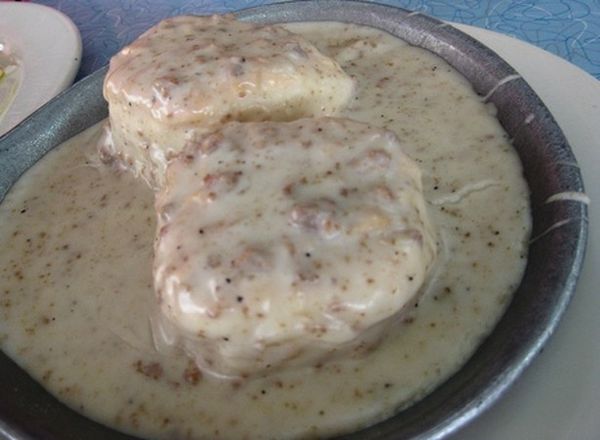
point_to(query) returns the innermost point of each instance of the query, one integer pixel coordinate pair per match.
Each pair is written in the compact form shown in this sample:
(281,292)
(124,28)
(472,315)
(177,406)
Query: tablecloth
(567,28)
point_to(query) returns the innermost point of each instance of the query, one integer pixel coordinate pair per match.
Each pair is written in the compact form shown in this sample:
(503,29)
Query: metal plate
(27,411)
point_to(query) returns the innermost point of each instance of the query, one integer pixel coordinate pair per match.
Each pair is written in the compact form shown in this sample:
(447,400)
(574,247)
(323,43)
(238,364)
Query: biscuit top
(303,234)
(215,69)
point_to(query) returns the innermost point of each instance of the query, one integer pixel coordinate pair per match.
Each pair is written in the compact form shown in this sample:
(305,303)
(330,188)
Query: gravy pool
(76,294)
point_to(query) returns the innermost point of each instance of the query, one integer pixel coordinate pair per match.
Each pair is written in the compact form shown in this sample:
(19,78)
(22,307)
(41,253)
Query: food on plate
(286,244)
(10,78)
(189,74)
(77,291)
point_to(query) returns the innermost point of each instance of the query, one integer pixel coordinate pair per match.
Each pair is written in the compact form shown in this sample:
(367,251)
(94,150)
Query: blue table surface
(567,28)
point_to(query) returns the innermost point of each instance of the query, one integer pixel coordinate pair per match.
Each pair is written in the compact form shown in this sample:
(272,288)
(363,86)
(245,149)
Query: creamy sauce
(77,285)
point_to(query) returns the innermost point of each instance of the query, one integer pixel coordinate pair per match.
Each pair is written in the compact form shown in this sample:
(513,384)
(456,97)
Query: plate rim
(26,97)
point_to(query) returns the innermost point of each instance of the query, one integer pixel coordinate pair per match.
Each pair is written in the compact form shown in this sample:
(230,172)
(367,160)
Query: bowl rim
(537,305)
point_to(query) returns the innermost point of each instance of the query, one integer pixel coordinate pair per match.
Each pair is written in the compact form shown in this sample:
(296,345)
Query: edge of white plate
(49,47)
(558,396)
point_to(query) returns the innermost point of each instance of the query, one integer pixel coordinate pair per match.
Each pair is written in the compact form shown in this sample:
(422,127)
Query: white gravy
(77,283)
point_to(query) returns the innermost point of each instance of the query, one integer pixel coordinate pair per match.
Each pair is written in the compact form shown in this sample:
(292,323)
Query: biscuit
(190,74)
(284,244)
